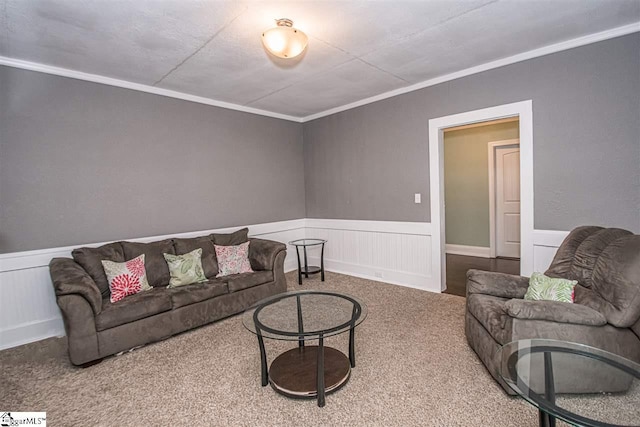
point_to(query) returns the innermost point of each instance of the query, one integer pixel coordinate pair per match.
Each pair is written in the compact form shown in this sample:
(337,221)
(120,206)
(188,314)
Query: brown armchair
(605,313)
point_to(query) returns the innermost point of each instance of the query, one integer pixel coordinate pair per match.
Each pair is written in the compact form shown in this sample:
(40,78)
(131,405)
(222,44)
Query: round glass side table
(309,269)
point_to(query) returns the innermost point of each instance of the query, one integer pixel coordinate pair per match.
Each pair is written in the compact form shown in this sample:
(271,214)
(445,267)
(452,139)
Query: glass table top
(307,242)
(329,313)
(581,385)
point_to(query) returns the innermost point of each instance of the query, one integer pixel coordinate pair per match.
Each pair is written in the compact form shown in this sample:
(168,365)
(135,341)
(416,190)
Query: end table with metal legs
(309,269)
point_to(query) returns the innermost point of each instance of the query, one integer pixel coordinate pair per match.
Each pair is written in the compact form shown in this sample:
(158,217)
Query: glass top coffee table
(306,371)
(581,385)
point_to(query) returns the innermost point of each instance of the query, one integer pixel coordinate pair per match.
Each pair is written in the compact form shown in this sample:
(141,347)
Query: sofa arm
(554,311)
(263,253)
(69,278)
(80,325)
(496,284)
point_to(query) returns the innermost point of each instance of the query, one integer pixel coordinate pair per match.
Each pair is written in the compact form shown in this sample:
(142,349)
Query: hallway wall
(466,181)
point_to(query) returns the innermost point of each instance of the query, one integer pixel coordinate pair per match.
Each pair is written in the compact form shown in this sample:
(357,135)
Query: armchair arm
(554,311)
(69,278)
(263,253)
(496,284)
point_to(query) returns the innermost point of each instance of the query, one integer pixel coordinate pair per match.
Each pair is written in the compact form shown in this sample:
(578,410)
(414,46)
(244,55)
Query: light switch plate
(417,198)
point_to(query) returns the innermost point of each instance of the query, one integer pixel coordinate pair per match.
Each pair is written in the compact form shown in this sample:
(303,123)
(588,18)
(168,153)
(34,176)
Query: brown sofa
(605,313)
(97,328)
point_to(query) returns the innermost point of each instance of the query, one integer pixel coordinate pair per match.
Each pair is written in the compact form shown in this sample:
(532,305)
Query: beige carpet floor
(414,368)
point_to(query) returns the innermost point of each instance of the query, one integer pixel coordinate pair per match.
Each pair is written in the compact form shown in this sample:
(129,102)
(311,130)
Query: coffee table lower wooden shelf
(294,372)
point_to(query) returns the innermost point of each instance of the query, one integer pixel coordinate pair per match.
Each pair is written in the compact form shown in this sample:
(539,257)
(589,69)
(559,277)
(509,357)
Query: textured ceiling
(357,49)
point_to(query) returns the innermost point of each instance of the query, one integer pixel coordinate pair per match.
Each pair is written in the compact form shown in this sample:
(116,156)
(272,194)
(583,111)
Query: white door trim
(524,111)
(492,190)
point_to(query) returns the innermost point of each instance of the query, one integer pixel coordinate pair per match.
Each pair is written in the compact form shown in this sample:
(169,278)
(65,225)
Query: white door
(508,201)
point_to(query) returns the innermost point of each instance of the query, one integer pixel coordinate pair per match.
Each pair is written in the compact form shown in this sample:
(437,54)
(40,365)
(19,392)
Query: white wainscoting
(545,245)
(387,251)
(28,309)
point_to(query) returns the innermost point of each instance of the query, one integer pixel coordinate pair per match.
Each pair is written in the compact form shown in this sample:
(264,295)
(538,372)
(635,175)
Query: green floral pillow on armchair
(185,269)
(543,288)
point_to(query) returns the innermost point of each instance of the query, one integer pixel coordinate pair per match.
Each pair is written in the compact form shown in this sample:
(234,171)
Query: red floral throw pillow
(126,278)
(233,259)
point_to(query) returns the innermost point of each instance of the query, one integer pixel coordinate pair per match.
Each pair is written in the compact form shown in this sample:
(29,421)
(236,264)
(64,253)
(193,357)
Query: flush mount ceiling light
(284,41)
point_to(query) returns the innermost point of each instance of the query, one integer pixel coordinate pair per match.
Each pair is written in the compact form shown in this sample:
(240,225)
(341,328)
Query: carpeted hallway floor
(414,368)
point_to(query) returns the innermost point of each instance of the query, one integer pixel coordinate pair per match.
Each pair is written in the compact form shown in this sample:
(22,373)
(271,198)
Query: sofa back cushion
(577,255)
(209,261)
(231,239)
(91,260)
(154,262)
(616,279)
(565,255)
(606,263)
(636,328)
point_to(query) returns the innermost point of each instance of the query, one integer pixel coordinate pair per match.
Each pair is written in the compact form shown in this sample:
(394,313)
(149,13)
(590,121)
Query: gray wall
(83,162)
(366,163)
(466,181)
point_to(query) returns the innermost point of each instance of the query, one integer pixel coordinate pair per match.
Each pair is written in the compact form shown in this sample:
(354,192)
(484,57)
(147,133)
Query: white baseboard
(477,251)
(29,332)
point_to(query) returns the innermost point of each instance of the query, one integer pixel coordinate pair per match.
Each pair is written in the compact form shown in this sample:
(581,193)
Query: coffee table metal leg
(300,325)
(263,360)
(545,419)
(321,391)
(299,267)
(352,351)
(322,263)
(306,264)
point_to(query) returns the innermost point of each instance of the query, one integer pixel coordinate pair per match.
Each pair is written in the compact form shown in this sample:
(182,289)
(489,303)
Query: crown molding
(546,50)
(535,53)
(96,78)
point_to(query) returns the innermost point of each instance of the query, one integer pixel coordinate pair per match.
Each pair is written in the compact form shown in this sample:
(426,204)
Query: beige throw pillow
(126,278)
(185,269)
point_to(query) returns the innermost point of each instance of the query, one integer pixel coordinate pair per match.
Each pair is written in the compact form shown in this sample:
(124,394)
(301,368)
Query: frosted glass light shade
(284,41)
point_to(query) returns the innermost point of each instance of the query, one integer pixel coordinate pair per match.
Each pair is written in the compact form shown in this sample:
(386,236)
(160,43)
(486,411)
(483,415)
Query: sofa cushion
(554,311)
(157,269)
(191,294)
(132,308)
(238,282)
(91,260)
(490,312)
(231,239)
(209,262)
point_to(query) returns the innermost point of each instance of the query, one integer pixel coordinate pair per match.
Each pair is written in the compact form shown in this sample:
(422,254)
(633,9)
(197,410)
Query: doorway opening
(523,112)
(482,199)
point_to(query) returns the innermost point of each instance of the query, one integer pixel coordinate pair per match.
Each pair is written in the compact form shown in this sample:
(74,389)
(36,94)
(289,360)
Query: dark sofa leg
(93,362)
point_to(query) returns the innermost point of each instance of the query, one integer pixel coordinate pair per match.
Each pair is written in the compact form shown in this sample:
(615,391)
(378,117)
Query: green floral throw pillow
(546,288)
(185,269)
